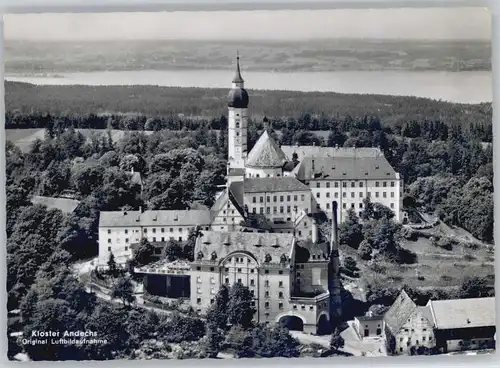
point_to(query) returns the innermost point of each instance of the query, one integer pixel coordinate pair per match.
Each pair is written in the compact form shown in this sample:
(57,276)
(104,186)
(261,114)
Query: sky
(406,23)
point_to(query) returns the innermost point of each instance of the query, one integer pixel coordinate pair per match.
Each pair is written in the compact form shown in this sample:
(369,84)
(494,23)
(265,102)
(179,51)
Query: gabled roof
(399,312)
(221,244)
(274,184)
(154,218)
(345,168)
(266,153)
(222,200)
(463,313)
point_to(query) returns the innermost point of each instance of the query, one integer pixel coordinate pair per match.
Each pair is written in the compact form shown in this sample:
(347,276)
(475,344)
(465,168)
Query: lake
(464,86)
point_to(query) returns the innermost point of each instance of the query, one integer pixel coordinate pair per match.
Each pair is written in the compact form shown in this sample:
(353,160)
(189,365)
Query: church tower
(237,127)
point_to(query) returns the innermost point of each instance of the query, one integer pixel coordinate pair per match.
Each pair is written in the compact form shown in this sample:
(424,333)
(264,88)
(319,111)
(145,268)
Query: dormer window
(267,258)
(213,256)
(199,256)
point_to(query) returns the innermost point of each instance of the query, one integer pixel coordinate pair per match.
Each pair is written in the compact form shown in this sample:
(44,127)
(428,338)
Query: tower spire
(237,76)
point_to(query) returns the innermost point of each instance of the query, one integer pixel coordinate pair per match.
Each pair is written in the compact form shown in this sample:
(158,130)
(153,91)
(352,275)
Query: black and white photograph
(226,184)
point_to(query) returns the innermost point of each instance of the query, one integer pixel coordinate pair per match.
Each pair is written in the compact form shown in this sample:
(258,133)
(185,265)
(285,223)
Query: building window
(344,206)
(198,300)
(344,195)
(377,184)
(336,195)
(392,194)
(353,184)
(266,271)
(344,184)
(212,269)
(281,198)
(227,280)
(280,284)
(126,248)
(318,195)
(109,241)
(171,229)
(266,294)
(376,194)
(294,306)
(392,205)
(352,194)
(281,209)
(384,184)
(302,197)
(318,185)
(261,210)
(336,184)
(352,205)
(261,199)
(303,307)
(239,281)
(254,200)
(423,338)
(280,295)
(162,229)
(360,194)
(268,210)
(384,194)
(266,283)
(280,305)
(392,184)
(266,305)
(109,249)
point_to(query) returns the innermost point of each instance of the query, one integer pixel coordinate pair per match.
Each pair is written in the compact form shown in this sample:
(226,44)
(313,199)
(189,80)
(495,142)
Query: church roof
(266,153)
(237,75)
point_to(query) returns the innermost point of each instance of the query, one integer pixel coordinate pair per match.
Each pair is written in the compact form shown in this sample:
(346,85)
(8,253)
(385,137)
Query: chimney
(334,282)
(314,232)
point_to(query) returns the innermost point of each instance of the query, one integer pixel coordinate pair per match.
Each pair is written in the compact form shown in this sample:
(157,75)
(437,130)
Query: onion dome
(237,98)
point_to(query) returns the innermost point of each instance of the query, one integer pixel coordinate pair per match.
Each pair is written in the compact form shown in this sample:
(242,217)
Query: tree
(365,250)
(173,250)
(240,310)
(350,231)
(214,340)
(124,290)
(474,287)
(337,341)
(144,253)
(217,314)
(112,266)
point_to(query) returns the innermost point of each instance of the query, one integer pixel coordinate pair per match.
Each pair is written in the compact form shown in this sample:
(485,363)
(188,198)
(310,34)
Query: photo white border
(96,6)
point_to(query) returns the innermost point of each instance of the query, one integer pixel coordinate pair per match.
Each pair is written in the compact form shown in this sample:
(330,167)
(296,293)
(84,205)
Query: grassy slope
(439,267)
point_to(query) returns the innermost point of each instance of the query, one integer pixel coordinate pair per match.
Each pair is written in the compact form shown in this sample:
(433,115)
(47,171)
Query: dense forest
(437,147)
(90,107)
